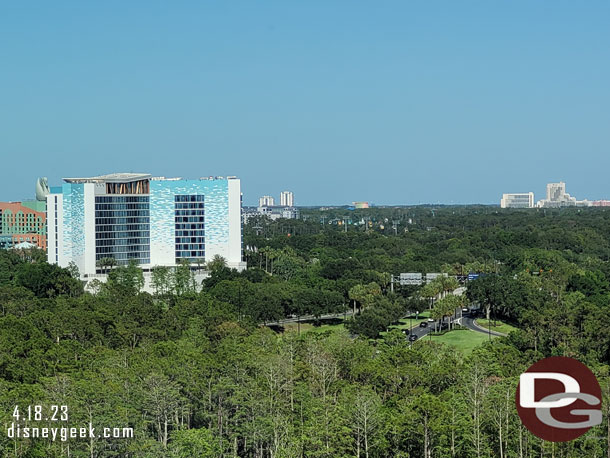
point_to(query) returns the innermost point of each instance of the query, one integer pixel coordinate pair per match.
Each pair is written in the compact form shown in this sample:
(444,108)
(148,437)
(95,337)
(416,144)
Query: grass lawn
(502,327)
(464,340)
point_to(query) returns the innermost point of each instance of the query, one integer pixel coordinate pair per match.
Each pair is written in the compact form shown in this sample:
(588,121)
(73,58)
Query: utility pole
(410,329)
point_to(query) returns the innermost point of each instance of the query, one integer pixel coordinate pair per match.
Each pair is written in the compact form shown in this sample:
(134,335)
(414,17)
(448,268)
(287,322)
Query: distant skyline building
(360,204)
(266,207)
(266,201)
(600,203)
(556,196)
(287,199)
(290,213)
(23,224)
(556,192)
(137,217)
(517,200)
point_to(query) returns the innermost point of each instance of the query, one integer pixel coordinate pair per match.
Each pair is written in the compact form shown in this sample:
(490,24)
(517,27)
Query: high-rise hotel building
(153,221)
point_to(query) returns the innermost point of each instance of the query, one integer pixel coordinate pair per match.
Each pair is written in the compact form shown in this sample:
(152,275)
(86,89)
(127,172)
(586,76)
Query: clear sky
(393,102)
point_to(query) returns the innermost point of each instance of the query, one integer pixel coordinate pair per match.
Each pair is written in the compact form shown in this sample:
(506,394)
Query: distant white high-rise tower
(556,192)
(556,196)
(266,201)
(287,199)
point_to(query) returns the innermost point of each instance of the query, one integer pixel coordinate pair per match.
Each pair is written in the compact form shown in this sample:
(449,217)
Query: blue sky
(393,102)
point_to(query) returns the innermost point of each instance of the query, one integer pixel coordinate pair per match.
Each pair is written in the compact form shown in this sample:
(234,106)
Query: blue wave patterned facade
(74,219)
(162,216)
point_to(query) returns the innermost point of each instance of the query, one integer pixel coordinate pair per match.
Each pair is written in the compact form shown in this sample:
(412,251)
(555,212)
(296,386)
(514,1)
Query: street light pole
(410,329)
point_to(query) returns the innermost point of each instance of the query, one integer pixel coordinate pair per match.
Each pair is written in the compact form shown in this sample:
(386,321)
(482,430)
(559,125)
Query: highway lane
(468,321)
(466,318)
(421,332)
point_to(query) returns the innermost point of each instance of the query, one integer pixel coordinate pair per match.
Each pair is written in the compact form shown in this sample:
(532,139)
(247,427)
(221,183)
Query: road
(303,318)
(421,332)
(468,322)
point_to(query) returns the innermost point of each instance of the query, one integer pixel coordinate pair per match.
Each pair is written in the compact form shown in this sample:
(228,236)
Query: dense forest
(196,371)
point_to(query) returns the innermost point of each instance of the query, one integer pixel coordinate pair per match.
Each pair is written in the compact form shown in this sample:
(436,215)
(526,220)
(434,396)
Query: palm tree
(101,263)
(200,262)
(430,291)
(437,314)
(447,284)
(384,280)
(105,263)
(273,255)
(357,294)
(266,251)
(445,308)
(450,304)
(216,263)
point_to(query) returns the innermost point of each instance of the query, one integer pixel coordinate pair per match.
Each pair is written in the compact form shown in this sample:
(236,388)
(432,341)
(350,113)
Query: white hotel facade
(153,221)
(517,200)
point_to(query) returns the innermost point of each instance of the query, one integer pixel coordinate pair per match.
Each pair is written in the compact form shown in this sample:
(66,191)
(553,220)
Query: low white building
(517,200)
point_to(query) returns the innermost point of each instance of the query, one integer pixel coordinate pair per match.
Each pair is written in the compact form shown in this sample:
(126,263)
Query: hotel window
(189,225)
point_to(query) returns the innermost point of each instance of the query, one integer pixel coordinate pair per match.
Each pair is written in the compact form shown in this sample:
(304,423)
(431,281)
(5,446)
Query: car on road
(406,331)
(423,324)
(412,338)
